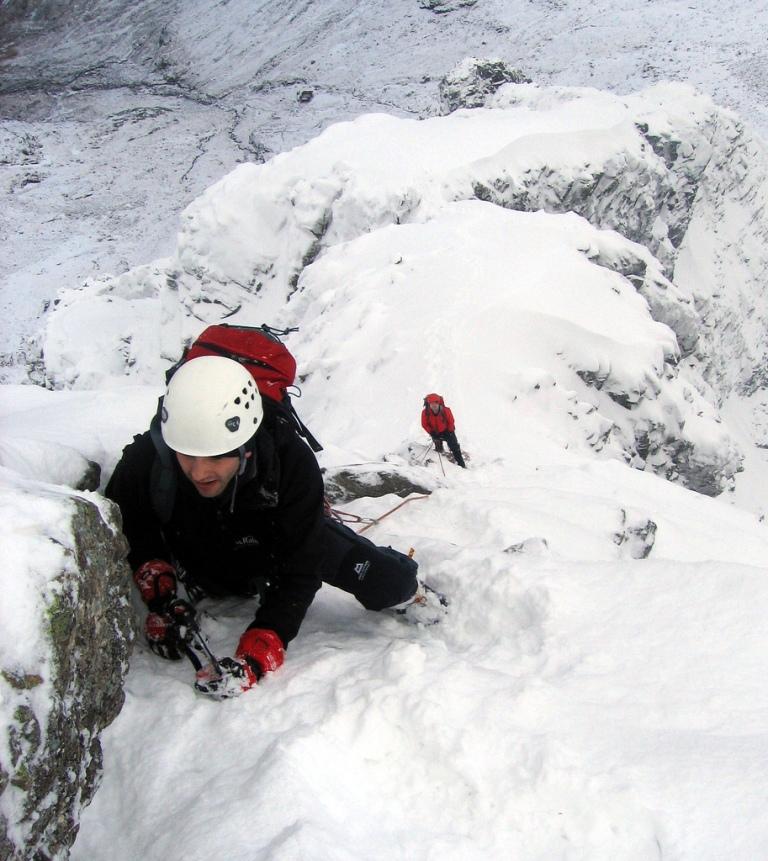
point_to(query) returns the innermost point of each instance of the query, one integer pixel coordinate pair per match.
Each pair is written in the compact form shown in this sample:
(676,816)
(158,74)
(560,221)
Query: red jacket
(436,424)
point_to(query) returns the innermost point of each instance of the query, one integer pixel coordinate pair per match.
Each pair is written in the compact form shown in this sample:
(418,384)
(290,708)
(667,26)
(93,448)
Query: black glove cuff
(160,605)
(255,667)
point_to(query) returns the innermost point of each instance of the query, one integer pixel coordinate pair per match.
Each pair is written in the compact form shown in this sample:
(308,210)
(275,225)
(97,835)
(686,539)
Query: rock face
(473,80)
(652,179)
(65,685)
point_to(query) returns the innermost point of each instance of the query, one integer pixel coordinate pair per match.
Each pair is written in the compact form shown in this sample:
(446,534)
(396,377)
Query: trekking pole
(185,615)
(440,458)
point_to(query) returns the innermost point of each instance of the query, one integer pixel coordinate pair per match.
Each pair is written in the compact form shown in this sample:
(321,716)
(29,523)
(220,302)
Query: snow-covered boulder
(374,480)
(65,633)
(50,462)
(470,83)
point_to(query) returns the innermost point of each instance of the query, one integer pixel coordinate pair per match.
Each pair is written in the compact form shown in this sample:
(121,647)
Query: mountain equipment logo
(361,569)
(247,541)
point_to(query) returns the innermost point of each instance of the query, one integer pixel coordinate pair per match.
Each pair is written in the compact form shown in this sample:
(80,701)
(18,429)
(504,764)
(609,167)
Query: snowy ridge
(247,245)
(524,329)
(649,166)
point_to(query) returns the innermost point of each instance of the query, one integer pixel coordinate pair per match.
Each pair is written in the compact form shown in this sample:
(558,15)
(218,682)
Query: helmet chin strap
(240,470)
(243,460)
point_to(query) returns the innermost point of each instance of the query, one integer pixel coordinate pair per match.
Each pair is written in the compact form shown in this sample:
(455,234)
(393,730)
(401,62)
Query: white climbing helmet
(212,406)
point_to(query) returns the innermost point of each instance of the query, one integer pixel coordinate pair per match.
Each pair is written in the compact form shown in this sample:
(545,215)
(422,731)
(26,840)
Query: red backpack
(267,359)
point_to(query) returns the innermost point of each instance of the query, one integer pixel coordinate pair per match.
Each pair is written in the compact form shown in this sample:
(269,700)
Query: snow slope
(576,703)
(597,690)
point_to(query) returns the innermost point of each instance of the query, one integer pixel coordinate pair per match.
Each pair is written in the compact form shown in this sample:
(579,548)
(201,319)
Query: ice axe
(422,457)
(190,635)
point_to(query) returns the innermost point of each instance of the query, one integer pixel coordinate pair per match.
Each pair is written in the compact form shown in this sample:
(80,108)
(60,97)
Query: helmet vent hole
(237,400)
(247,405)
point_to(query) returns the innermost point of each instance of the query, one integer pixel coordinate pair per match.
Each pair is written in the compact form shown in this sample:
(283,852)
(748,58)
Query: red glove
(262,648)
(162,635)
(156,580)
(259,651)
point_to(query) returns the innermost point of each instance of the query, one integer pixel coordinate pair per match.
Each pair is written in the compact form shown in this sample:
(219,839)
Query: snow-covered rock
(689,183)
(374,480)
(443,6)
(67,628)
(469,84)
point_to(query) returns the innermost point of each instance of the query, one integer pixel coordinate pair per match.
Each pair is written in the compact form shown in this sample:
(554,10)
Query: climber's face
(209,475)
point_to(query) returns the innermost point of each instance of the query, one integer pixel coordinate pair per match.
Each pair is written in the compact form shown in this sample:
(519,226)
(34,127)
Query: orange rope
(348,517)
(391,510)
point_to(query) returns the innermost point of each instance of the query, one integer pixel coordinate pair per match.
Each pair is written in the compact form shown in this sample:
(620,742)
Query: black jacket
(271,531)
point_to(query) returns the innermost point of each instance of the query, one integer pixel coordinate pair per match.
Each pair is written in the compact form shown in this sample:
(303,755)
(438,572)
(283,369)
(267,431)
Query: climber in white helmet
(220,497)
(211,410)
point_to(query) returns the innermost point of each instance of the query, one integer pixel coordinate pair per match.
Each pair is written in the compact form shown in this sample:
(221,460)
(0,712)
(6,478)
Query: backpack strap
(304,430)
(285,412)
(163,479)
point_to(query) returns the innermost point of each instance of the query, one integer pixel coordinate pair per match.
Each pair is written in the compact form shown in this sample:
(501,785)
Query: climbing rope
(348,517)
(344,516)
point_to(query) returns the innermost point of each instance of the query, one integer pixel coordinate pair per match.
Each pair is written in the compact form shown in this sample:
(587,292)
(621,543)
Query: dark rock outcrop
(443,6)
(473,80)
(348,483)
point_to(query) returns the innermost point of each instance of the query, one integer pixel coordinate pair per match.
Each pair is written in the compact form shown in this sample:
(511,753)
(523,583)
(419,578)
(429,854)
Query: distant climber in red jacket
(437,421)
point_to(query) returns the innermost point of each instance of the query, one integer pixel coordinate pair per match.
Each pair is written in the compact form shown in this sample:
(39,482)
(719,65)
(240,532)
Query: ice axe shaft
(423,455)
(185,615)
(440,459)
(200,639)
